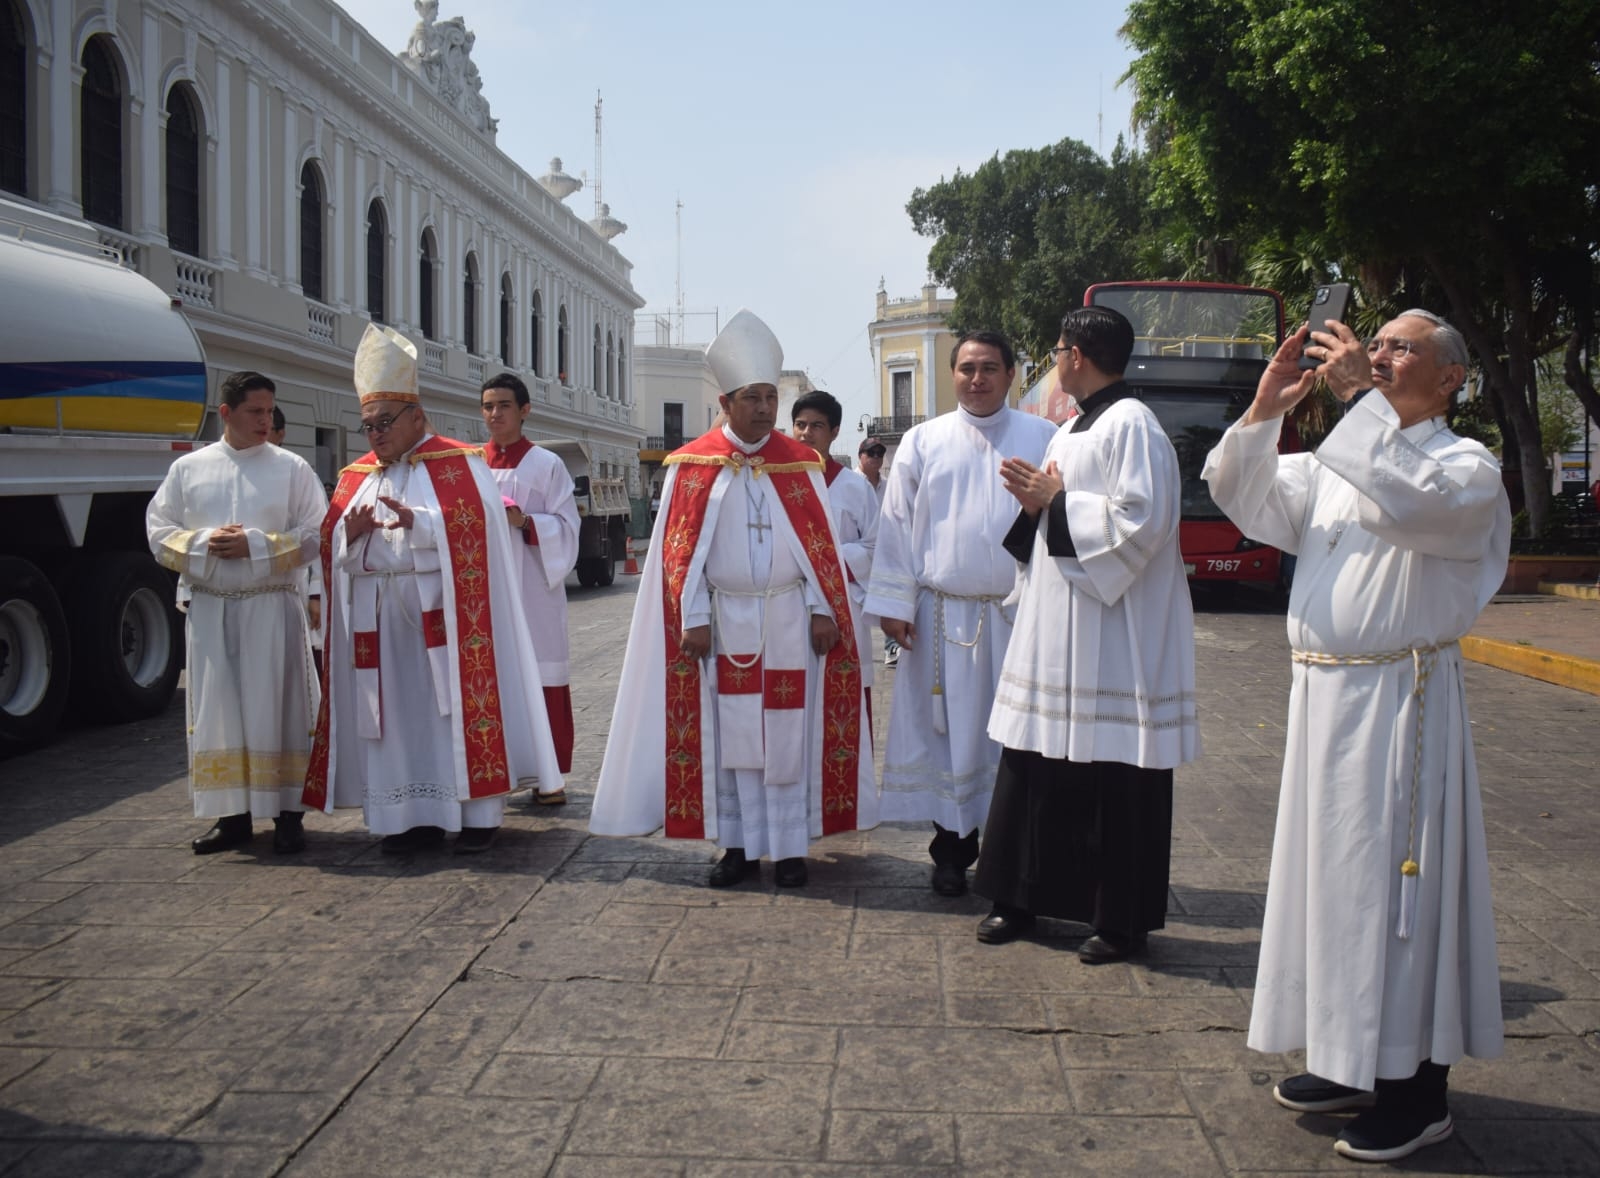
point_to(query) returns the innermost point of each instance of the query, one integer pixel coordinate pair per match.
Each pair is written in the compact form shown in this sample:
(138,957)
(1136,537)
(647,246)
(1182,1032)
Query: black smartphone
(1327,302)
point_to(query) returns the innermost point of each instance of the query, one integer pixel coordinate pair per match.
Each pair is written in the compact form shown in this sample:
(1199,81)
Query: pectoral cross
(758,524)
(759,527)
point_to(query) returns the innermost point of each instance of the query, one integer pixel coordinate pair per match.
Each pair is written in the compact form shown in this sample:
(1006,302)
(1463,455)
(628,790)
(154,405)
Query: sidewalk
(1545,636)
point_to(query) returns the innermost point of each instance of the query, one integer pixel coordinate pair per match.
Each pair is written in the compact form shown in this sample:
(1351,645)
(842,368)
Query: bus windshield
(1194,420)
(1195,321)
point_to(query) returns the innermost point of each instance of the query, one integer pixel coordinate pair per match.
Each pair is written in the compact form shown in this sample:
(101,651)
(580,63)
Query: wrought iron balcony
(662,442)
(883,427)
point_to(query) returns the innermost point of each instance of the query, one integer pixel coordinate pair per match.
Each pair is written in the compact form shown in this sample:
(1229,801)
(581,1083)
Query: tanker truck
(102,386)
(604,512)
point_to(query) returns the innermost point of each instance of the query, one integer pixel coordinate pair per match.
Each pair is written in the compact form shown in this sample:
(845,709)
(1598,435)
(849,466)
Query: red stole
(466,537)
(788,463)
(830,470)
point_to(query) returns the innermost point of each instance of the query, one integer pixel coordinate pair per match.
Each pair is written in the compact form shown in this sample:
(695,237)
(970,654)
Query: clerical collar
(740,444)
(994,421)
(408,453)
(1097,403)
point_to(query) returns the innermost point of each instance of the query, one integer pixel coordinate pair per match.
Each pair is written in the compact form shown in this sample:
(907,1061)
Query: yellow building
(911,354)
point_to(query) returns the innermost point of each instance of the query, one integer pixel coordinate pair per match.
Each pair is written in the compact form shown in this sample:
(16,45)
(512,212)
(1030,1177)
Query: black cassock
(1088,842)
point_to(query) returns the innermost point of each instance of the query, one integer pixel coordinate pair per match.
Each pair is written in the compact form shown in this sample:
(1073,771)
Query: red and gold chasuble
(788,463)
(466,537)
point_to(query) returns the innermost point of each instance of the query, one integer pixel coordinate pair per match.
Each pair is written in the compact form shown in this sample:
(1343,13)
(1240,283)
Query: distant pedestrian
(1378,946)
(939,582)
(1096,703)
(870,455)
(238,521)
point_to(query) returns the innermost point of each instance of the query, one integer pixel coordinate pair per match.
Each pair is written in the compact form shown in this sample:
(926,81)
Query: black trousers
(1088,842)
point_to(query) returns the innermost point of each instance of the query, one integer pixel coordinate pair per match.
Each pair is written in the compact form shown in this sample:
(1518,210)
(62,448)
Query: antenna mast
(678,281)
(597,213)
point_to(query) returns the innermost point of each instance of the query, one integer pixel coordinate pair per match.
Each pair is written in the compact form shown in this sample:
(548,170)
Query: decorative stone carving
(440,53)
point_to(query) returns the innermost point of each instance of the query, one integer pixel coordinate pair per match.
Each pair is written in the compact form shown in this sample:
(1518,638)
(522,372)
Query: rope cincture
(239,594)
(762,594)
(1423,660)
(941,720)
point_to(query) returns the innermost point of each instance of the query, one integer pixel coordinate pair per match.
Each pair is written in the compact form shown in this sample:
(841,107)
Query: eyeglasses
(1056,351)
(875,451)
(1400,348)
(382,425)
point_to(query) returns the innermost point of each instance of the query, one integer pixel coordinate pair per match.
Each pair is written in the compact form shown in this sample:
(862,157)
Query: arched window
(561,344)
(377,259)
(311,231)
(100,134)
(599,360)
(13,99)
(611,365)
(505,319)
(536,356)
(469,304)
(428,256)
(183,171)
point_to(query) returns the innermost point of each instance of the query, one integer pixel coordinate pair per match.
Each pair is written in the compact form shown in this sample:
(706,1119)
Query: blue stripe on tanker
(159,380)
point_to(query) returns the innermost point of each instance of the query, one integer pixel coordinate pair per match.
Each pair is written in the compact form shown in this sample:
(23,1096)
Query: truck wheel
(35,655)
(589,571)
(605,571)
(129,647)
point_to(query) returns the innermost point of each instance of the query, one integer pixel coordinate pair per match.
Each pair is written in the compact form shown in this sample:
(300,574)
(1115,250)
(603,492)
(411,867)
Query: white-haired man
(1377,949)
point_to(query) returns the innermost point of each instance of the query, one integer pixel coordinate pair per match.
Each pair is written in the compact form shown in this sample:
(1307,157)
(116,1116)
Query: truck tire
(35,655)
(596,571)
(129,647)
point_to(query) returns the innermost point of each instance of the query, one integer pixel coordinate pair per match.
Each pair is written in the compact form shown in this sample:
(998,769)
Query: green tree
(1447,153)
(1022,236)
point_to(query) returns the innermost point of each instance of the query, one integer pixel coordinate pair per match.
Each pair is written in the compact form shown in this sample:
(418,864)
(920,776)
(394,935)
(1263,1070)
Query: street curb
(1564,670)
(1567,589)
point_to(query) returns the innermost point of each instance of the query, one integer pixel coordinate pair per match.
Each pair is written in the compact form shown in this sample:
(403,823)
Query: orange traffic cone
(631,567)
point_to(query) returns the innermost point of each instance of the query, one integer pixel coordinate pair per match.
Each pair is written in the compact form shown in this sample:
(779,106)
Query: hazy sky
(793,134)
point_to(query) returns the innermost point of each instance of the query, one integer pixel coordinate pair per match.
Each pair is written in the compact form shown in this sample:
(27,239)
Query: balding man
(1377,950)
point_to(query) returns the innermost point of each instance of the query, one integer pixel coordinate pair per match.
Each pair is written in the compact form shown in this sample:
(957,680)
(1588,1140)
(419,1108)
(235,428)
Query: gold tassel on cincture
(1408,900)
(941,722)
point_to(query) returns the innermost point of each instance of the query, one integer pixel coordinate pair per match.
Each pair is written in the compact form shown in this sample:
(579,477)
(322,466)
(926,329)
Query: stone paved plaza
(567,1005)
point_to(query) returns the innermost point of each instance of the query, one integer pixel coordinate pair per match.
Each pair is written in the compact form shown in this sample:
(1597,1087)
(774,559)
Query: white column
(339,198)
(931,379)
(444,304)
(221,139)
(253,215)
(291,198)
(147,218)
(358,231)
(65,77)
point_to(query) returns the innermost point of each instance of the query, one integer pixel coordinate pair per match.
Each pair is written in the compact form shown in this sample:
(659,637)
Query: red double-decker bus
(1199,349)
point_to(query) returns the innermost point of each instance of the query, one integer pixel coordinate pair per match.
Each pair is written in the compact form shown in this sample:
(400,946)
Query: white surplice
(854,506)
(252,690)
(939,551)
(1101,661)
(1402,536)
(751,581)
(396,746)
(540,485)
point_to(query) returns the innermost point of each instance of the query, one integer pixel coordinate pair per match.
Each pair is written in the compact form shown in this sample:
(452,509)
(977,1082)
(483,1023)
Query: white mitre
(386,366)
(745,352)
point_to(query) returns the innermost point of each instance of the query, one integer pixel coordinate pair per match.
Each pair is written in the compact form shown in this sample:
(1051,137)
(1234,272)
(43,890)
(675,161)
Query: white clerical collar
(994,421)
(1423,430)
(409,452)
(743,446)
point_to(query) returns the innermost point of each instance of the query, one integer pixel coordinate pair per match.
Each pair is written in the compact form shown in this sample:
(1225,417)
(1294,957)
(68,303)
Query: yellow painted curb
(1564,670)
(1567,589)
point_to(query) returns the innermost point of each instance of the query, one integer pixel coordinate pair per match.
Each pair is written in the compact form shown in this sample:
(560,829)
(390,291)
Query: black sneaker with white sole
(1380,1135)
(1306,1093)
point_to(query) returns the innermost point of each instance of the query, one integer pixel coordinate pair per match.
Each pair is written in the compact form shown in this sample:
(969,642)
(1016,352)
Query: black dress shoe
(730,869)
(288,833)
(949,880)
(1004,924)
(791,873)
(418,838)
(230,831)
(474,840)
(1103,948)
(1306,1093)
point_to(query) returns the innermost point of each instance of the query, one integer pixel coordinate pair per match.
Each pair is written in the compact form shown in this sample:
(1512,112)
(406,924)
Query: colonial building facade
(911,345)
(290,179)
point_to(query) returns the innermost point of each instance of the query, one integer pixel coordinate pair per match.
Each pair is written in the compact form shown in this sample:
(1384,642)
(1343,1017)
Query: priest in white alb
(939,582)
(816,418)
(432,710)
(1378,945)
(238,521)
(542,514)
(741,716)
(1096,704)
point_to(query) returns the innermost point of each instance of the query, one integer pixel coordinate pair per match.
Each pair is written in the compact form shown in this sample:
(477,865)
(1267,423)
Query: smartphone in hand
(1327,302)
